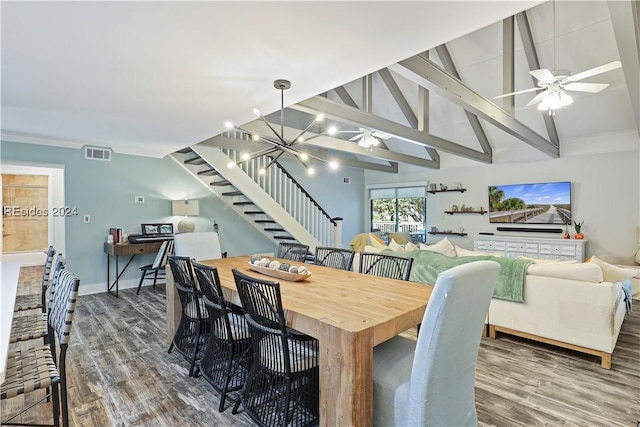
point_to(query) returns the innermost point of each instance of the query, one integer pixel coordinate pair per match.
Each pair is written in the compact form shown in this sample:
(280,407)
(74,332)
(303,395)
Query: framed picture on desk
(157,229)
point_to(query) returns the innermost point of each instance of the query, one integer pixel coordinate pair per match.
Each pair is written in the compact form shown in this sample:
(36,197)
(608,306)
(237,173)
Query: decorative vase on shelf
(566,232)
(578,227)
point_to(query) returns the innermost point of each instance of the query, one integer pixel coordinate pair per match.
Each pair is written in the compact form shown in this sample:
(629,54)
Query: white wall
(605,195)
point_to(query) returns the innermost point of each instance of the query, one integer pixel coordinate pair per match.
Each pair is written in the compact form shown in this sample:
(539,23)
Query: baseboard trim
(98,288)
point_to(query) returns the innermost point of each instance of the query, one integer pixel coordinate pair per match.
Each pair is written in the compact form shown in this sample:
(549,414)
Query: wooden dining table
(349,313)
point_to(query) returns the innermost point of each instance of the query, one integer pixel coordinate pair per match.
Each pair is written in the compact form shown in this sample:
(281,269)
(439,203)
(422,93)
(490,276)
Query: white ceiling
(150,78)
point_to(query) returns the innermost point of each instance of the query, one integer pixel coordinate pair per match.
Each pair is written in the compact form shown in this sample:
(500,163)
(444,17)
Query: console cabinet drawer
(514,247)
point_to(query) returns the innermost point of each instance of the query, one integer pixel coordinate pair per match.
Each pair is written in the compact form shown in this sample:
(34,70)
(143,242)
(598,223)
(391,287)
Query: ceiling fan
(367,138)
(554,85)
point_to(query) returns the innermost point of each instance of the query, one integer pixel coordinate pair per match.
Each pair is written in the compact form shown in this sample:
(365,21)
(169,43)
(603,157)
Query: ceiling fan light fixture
(368,141)
(333,164)
(555,100)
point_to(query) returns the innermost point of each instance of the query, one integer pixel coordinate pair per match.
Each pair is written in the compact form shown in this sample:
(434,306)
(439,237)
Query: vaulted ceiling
(153,77)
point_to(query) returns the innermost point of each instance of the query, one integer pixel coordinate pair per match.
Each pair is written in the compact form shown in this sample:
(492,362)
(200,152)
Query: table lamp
(185,208)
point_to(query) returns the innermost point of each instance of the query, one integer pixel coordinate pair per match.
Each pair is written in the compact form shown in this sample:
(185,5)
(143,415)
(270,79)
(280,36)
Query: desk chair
(432,382)
(156,270)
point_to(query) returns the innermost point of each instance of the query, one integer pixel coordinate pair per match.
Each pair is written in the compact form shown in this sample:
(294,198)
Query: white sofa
(567,304)
(577,314)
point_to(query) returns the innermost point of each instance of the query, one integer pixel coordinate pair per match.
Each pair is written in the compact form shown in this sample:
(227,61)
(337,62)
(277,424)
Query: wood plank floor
(121,375)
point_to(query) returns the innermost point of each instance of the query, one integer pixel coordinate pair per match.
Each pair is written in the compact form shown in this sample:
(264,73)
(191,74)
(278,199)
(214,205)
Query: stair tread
(184,150)
(242,203)
(253,212)
(220,183)
(209,172)
(274,229)
(195,161)
(262,221)
(233,193)
(284,237)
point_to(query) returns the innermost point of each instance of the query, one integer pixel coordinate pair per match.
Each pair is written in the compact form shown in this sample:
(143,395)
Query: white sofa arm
(571,311)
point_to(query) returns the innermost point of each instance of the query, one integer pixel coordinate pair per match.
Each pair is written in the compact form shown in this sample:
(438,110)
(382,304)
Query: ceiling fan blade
(543,75)
(358,136)
(597,70)
(537,98)
(586,87)
(515,93)
(380,135)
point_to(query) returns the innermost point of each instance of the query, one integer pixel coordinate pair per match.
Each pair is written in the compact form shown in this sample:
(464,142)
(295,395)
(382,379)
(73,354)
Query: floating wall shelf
(461,190)
(449,233)
(465,212)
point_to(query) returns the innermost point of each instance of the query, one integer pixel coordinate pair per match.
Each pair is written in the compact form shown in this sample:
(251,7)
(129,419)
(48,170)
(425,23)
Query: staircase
(274,203)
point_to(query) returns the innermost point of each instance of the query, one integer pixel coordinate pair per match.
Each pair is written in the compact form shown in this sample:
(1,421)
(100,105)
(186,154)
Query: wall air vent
(97,153)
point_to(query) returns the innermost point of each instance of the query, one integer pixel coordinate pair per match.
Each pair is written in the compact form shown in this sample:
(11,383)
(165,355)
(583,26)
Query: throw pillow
(400,238)
(376,241)
(583,271)
(394,246)
(373,249)
(359,242)
(443,247)
(411,247)
(613,273)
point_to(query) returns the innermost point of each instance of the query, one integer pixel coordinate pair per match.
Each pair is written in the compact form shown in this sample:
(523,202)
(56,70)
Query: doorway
(30,194)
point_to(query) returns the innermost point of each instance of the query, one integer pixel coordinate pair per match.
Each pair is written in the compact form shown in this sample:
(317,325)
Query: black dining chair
(227,357)
(192,333)
(341,259)
(382,265)
(296,252)
(283,385)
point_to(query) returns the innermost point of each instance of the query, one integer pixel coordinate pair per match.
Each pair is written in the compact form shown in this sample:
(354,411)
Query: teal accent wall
(107,190)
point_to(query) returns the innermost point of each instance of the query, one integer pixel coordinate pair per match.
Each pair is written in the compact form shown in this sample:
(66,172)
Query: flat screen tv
(541,203)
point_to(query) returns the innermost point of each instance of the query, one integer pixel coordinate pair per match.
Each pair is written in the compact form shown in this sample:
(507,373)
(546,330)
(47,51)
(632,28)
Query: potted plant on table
(578,227)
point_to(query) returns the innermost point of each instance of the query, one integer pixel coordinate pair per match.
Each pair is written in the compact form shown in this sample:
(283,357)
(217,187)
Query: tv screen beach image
(540,203)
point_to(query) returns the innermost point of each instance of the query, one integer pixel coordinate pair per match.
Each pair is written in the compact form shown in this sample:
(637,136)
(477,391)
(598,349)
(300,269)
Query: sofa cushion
(613,273)
(373,249)
(585,272)
(466,252)
(443,247)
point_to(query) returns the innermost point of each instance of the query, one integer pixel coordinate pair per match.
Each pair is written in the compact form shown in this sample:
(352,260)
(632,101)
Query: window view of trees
(402,214)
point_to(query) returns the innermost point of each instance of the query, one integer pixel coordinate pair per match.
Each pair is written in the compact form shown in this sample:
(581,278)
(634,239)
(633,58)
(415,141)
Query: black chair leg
(140,283)
(55,397)
(155,278)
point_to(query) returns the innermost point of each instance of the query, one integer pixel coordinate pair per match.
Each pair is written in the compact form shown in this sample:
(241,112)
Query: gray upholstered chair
(198,245)
(431,382)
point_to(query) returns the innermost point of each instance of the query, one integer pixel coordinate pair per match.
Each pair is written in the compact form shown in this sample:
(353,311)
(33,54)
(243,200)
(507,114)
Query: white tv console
(533,247)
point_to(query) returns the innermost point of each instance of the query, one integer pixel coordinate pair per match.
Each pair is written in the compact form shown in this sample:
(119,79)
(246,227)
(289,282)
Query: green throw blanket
(510,286)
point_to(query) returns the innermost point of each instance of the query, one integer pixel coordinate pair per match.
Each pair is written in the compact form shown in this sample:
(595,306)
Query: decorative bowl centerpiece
(280,270)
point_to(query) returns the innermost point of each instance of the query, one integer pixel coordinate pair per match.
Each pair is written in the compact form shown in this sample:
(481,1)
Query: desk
(10,272)
(349,313)
(132,249)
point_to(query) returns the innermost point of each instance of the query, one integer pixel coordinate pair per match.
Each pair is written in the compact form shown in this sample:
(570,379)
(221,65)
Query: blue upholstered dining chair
(431,382)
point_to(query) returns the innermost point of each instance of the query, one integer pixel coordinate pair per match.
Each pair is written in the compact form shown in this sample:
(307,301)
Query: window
(398,209)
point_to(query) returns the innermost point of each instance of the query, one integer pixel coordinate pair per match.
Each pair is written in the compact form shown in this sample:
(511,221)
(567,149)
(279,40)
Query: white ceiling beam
(356,117)
(508,73)
(476,126)
(424,72)
(625,16)
(532,60)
